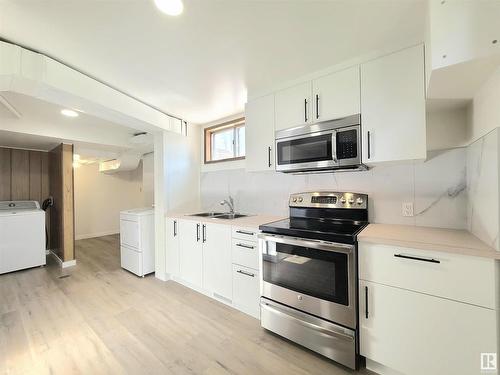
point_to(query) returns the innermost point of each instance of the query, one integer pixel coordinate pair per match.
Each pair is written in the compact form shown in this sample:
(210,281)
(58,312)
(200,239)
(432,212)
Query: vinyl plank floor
(96,318)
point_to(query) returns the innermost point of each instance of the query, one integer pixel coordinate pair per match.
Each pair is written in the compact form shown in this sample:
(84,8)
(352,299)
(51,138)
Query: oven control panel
(329,200)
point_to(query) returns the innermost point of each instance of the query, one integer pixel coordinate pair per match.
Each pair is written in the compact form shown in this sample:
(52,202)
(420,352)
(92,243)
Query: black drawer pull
(245,232)
(430,260)
(245,246)
(246,273)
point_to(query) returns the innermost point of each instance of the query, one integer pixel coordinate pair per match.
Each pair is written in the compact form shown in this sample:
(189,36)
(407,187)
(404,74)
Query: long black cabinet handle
(246,273)
(197,232)
(175,228)
(245,232)
(368,145)
(366,302)
(269,156)
(305,110)
(204,233)
(317,106)
(245,246)
(430,260)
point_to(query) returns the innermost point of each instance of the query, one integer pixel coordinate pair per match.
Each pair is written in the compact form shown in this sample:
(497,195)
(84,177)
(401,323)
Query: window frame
(207,140)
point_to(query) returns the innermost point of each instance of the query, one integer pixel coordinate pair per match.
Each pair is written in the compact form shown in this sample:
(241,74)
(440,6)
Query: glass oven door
(313,276)
(318,273)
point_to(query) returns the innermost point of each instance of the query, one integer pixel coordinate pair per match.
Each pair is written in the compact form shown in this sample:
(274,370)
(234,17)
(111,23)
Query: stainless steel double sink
(220,215)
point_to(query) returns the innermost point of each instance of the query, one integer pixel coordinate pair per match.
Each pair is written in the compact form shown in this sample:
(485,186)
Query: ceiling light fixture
(69,113)
(170,7)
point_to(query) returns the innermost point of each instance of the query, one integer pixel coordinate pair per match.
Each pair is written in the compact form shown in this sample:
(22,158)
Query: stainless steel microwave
(328,146)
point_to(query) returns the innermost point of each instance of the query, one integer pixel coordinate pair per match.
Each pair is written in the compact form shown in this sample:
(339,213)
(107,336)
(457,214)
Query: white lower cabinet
(173,247)
(246,292)
(216,240)
(191,252)
(219,260)
(415,333)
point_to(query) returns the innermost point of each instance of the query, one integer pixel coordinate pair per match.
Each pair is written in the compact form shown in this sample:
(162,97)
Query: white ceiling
(200,65)
(41,127)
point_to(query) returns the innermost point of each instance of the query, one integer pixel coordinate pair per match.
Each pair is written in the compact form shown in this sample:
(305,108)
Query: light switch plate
(407,209)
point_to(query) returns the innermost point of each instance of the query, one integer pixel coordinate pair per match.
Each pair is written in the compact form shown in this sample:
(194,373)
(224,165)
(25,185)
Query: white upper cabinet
(217,267)
(293,106)
(393,107)
(336,95)
(259,137)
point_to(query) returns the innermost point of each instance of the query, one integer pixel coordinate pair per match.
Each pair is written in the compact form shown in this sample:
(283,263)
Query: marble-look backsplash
(482,188)
(437,187)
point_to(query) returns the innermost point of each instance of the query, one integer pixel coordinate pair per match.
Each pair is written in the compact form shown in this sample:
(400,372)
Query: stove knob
(299,297)
(294,199)
(300,199)
(342,200)
(359,201)
(351,200)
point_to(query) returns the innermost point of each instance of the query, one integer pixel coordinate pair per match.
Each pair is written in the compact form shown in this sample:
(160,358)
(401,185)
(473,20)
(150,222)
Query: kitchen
(347,207)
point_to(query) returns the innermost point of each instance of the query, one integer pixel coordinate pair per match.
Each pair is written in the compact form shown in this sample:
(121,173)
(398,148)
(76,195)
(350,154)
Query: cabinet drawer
(458,277)
(131,260)
(246,290)
(247,234)
(245,253)
(130,234)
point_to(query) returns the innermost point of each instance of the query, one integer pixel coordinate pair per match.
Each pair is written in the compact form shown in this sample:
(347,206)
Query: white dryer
(22,235)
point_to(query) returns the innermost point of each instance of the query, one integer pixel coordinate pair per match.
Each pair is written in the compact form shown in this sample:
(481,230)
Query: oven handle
(334,146)
(306,324)
(314,244)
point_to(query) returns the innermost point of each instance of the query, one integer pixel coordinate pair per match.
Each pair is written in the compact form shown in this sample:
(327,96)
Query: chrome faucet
(229,203)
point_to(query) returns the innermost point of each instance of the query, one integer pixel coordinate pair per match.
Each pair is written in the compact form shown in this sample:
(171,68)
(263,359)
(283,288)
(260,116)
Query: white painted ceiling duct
(127,161)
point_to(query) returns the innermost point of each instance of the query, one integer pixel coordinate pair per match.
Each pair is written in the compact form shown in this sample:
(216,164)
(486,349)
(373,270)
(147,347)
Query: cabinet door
(246,290)
(217,259)
(393,107)
(173,246)
(259,134)
(191,258)
(337,95)
(293,106)
(418,334)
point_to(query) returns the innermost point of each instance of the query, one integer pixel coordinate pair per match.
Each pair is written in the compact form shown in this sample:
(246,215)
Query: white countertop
(426,238)
(251,221)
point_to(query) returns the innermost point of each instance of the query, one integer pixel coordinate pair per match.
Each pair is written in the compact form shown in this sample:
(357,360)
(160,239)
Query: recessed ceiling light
(69,113)
(170,7)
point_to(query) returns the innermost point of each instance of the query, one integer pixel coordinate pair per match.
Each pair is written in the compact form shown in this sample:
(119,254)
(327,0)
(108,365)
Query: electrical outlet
(407,209)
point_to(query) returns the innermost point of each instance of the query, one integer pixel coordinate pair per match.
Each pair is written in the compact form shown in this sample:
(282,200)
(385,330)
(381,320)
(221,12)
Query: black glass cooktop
(332,230)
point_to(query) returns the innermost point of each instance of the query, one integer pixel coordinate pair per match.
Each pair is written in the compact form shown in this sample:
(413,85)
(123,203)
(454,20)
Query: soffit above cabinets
(32,74)
(462,47)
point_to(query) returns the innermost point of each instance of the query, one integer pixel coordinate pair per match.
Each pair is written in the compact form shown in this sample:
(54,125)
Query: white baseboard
(94,235)
(69,263)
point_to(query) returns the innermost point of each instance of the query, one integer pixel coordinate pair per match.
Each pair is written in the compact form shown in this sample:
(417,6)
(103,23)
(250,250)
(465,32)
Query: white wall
(482,188)
(447,128)
(99,198)
(485,114)
(148,177)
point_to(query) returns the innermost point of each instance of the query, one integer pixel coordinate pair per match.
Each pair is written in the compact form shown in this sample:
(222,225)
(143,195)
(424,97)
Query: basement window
(225,142)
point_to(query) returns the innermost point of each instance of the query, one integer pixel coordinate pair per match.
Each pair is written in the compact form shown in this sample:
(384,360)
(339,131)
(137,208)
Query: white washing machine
(22,235)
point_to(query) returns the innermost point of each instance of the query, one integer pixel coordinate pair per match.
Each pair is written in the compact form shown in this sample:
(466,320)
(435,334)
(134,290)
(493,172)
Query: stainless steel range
(309,273)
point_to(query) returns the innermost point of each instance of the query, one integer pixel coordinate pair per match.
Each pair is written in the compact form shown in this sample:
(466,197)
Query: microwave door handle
(334,146)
